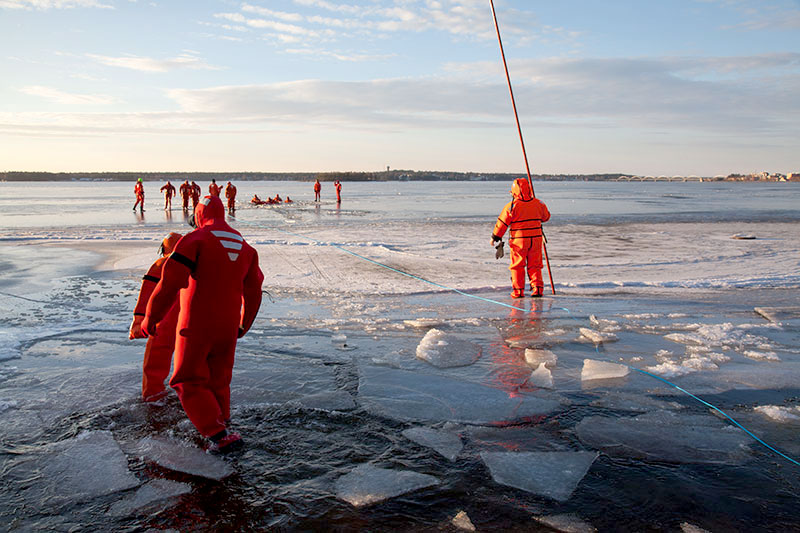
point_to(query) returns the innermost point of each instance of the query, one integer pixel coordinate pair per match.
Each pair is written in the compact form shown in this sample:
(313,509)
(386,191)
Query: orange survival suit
(138,190)
(217,275)
(213,188)
(317,189)
(338,186)
(158,351)
(186,193)
(524,216)
(169,192)
(196,192)
(230,194)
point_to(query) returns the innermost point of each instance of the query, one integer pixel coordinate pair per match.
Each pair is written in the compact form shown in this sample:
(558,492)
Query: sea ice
(447,351)
(541,377)
(779,314)
(423,323)
(182,457)
(761,356)
(597,337)
(780,413)
(535,357)
(461,521)
(328,401)
(593,369)
(443,442)
(625,401)
(566,523)
(513,439)
(155,493)
(551,474)
(604,324)
(665,436)
(413,396)
(368,484)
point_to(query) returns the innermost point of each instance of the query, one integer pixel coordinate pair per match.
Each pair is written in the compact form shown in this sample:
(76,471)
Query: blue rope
(714,407)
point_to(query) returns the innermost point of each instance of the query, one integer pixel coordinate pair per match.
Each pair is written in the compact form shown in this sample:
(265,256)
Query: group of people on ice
(203,293)
(188,191)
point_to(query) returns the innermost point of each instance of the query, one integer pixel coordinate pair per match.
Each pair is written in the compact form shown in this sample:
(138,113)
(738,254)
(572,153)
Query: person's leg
(517,268)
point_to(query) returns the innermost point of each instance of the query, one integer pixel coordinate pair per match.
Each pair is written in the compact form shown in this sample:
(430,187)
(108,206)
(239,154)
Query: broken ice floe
(597,337)
(665,436)
(727,336)
(625,401)
(551,474)
(779,314)
(566,523)
(686,527)
(75,470)
(761,356)
(182,457)
(368,484)
(461,521)
(447,351)
(154,494)
(593,370)
(535,357)
(423,323)
(604,324)
(412,396)
(443,442)
(541,377)
(780,413)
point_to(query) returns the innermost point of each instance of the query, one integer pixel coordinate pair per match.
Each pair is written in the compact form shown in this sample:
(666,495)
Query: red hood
(521,189)
(209,210)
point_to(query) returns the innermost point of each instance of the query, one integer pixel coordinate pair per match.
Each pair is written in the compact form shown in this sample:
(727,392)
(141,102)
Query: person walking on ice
(338,186)
(217,275)
(230,194)
(186,193)
(169,192)
(317,189)
(138,190)
(523,217)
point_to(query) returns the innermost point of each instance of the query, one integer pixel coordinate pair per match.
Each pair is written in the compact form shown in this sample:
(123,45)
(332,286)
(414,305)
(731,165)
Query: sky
(674,87)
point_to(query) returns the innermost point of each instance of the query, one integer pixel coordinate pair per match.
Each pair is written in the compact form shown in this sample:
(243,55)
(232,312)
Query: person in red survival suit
(317,189)
(217,275)
(338,186)
(196,192)
(138,190)
(186,193)
(169,192)
(230,194)
(158,351)
(524,216)
(213,188)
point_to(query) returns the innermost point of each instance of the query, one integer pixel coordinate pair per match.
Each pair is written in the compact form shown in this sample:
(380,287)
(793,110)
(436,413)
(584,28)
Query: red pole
(521,140)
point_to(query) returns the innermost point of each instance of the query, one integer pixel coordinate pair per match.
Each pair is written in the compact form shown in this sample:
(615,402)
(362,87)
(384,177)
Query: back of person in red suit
(217,275)
(317,189)
(230,194)
(158,351)
(213,188)
(186,193)
(196,192)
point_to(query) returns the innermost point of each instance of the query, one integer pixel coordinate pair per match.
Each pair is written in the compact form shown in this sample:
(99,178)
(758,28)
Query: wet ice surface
(182,457)
(367,484)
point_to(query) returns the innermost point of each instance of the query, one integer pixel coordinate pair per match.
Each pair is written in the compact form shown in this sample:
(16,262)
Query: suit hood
(209,210)
(521,189)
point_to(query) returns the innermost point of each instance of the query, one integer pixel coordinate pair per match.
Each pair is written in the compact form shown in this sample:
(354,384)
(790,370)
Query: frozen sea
(389,382)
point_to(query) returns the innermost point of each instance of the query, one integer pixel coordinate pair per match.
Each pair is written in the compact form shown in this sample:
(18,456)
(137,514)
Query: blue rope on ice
(714,407)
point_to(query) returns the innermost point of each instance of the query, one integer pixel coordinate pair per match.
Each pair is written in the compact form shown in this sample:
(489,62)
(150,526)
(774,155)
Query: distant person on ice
(524,216)
(169,192)
(213,188)
(196,192)
(217,275)
(158,351)
(230,194)
(338,186)
(317,189)
(138,190)
(186,193)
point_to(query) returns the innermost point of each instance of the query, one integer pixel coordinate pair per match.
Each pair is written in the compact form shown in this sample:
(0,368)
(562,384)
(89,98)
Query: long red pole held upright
(521,139)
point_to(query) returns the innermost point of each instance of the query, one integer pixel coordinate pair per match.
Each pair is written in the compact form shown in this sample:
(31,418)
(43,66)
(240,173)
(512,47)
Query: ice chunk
(339,338)
(780,413)
(77,469)
(155,493)
(461,521)
(412,396)
(551,474)
(535,357)
(443,442)
(761,356)
(624,401)
(423,323)
(665,436)
(446,351)
(597,337)
(779,314)
(566,523)
(593,369)
(686,527)
(182,457)
(541,377)
(368,484)
(604,324)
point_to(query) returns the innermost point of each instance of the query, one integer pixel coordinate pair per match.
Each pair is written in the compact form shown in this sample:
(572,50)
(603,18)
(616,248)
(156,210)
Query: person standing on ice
(230,194)
(213,188)
(186,193)
(196,192)
(338,186)
(158,351)
(138,190)
(217,275)
(169,192)
(523,216)
(317,189)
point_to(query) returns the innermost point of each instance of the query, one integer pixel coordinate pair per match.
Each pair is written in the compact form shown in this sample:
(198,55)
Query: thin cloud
(61,97)
(149,64)
(44,5)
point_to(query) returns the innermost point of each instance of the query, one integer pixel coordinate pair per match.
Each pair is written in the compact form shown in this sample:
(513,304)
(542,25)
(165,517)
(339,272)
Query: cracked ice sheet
(368,484)
(555,475)
(413,396)
(182,457)
(445,443)
(155,495)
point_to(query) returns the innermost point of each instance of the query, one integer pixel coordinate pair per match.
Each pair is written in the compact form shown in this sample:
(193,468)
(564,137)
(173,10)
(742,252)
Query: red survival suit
(169,192)
(219,281)
(158,352)
(524,216)
(338,186)
(196,192)
(138,190)
(230,194)
(186,193)
(214,189)
(317,189)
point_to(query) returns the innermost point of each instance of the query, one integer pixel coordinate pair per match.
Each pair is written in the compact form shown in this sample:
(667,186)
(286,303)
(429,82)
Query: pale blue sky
(675,87)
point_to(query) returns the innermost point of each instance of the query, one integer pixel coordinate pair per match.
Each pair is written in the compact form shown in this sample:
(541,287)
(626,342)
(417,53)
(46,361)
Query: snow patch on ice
(367,484)
(447,351)
(761,356)
(779,413)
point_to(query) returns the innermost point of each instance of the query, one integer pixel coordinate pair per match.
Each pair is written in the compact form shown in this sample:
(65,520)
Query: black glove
(495,238)
(241,333)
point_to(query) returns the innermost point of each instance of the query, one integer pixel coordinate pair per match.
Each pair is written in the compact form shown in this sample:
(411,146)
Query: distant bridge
(663,178)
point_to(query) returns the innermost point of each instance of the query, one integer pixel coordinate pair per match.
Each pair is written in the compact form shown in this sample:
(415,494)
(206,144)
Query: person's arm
(251,295)
(149,282)
(502,224)
(545,213)
(174,277)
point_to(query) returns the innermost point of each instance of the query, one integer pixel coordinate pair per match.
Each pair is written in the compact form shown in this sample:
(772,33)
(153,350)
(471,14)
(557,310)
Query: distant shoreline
(388,175)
